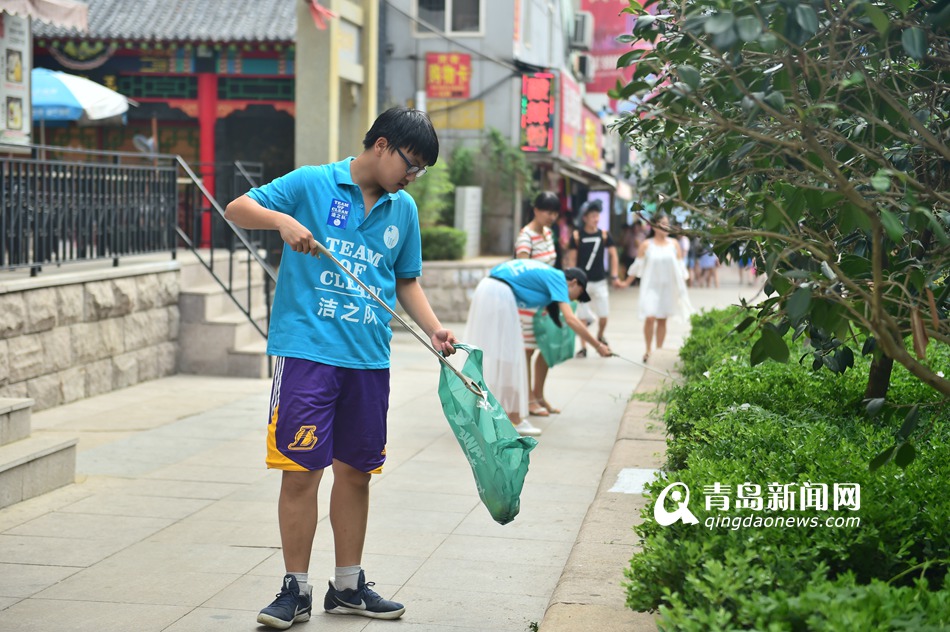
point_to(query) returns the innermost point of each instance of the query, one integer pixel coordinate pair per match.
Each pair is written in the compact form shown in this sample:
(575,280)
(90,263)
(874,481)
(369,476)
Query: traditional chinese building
(214,79)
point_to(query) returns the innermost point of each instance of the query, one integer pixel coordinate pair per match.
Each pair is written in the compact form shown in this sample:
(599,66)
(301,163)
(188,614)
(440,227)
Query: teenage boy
(586,251)
(330,392)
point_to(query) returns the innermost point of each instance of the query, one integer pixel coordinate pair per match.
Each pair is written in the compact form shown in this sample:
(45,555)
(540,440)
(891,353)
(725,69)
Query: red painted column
(207,117)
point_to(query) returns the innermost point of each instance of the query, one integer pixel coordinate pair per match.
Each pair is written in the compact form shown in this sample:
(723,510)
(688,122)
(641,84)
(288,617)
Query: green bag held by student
(497,453)
(555,343)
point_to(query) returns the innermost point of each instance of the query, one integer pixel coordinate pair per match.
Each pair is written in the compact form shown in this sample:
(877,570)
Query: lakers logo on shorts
(305,439)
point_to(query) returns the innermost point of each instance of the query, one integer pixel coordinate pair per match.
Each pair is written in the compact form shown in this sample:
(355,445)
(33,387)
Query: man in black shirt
(586,251)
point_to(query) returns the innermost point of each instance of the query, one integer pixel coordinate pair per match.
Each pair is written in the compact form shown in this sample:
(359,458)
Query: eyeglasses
(411,169)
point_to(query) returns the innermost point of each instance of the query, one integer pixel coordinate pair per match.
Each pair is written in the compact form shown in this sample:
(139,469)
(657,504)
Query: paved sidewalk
(172,524)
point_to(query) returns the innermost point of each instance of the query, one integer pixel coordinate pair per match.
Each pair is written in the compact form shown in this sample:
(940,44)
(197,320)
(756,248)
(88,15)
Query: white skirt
(494,326)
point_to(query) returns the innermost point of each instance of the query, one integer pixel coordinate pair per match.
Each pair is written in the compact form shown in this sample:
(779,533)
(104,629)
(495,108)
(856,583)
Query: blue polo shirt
(319,313)
(533,283)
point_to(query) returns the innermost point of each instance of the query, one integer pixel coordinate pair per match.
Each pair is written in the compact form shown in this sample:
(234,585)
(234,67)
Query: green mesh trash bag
(555,343)
(497,453)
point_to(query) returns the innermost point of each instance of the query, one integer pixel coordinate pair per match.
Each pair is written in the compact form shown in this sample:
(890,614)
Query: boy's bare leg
(349,511)
(297,514)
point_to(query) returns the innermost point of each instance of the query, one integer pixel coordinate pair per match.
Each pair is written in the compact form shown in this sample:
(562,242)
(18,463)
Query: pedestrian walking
(330,393)
(662,273)
(536,241)
(586,251)
(493,325)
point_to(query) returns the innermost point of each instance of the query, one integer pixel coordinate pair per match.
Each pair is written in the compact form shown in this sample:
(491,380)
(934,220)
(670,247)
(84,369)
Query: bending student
(494,325)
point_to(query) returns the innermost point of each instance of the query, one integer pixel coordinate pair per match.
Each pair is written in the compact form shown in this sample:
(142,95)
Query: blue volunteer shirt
(319,313)
(533,283)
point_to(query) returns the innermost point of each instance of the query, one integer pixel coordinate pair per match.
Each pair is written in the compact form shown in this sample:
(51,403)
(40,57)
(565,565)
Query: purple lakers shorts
(320,412)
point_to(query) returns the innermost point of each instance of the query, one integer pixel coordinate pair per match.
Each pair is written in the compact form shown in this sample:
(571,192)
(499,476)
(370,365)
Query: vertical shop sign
(15,65)
(537,112)
(448,75)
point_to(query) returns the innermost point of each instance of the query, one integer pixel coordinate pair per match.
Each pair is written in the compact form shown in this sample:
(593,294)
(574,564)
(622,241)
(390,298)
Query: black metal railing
(82,205)
(62,205)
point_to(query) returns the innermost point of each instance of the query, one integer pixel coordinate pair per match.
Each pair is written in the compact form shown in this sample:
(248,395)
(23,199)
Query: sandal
(537,409)
(551,409)
(646,356)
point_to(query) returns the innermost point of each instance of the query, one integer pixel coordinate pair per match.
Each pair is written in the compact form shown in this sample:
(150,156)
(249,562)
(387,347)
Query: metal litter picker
(497,454)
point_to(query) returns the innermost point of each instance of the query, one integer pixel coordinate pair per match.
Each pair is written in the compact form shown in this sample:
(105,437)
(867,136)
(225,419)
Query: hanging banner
(537,112)
(610,22)
(15,64)
(448,75)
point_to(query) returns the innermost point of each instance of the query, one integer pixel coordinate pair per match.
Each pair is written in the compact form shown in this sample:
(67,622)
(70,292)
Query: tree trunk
(879,377)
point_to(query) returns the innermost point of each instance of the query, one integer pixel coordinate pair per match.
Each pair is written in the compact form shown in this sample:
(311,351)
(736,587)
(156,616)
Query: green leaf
(881,181)
(807,19)
(845,357)
(772,217)
(643,23)
(746,322)
(881,458)
(905,454)
(910,422)
(769,345)
(759,354)
(874,405)
(893,226)
(900,5)
(853,217)
(869,345)
(719,23)
(776,100)
(689,75)
(878,17)
(769,42)
(915,42)
(797,305)
(749,28)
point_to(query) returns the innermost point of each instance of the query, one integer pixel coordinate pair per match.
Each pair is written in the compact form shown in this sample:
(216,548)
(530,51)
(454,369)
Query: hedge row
(731,423)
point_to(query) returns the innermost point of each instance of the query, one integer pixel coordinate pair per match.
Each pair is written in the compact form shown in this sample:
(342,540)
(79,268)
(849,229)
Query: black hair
(554,311)
(405,128)
(592,206)
(547,201)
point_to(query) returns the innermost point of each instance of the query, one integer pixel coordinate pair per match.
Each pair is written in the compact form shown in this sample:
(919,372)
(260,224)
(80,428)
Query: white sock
(303,581)
(346,577)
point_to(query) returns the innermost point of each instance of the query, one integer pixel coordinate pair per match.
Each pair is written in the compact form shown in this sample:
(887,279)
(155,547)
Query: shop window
(450,16)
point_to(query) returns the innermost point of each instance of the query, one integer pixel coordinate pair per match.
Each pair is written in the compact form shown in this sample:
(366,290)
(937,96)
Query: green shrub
(442,243)
(902,514)
(824,606)
(732,423)
(710,340)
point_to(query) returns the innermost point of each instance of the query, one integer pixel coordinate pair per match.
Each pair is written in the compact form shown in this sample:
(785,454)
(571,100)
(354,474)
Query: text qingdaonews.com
(773,522)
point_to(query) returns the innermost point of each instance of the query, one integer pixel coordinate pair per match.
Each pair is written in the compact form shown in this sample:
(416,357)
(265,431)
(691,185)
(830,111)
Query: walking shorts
(320,412)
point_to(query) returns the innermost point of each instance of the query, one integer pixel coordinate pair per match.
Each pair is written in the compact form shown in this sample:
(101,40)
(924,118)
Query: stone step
(249,360)
(35,465)
(204,347)
(203,303)
(14,419)
(229,268)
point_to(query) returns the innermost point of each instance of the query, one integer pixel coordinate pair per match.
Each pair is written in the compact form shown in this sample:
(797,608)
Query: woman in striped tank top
(536,241)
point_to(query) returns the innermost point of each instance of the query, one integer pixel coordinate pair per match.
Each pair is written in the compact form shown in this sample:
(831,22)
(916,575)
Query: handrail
(270,276)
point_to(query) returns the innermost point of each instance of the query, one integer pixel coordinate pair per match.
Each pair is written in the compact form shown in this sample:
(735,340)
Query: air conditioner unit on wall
(585,68)
(582,37)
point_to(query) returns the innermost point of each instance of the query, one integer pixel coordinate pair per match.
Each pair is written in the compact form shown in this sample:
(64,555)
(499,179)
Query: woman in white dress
(662,272)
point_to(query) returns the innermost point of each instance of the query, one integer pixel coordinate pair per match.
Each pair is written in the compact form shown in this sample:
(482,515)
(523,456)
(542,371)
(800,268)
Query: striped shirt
(539,247)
